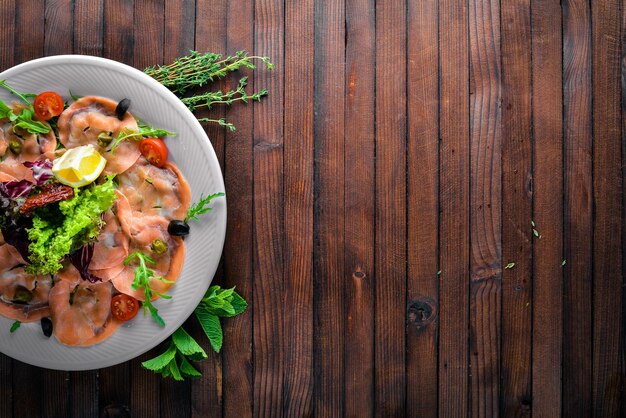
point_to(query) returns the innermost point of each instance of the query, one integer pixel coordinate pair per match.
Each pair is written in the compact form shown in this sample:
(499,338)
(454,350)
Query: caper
(46,326)
(22,295)
(122,108)
(15,145)
(105,138)
(178,228)
(159,246)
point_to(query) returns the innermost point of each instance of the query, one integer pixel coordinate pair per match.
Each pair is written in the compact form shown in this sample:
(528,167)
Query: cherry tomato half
(154,150)
(124,307)
(47,105)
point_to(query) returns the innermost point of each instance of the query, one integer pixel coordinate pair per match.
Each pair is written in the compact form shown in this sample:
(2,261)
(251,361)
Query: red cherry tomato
(154,150)
(47,105)
(124,307)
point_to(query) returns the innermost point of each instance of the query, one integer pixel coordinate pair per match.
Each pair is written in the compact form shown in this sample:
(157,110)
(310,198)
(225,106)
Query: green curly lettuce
(58,231)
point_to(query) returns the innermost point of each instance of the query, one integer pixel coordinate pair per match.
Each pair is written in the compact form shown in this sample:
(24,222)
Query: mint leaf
(15,326)
(175,371)
(161,362)
(188,370)
(211,326)
(187,345)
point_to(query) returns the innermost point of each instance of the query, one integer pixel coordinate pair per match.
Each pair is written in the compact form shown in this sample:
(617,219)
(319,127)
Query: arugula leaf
(143,274)
(15,326)
(25,118)
(145,131)
(201,207)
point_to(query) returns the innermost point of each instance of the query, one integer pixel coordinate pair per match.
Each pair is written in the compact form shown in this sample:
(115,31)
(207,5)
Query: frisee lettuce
(60,228)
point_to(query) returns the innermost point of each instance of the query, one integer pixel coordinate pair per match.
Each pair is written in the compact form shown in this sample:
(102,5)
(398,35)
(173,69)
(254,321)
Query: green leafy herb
(24,119)
(145,131)
(218,302)
(15,326)
(439,273)
(149,180)
(143,274)
(201,207)
(175,361)
(197,69)
(60,228)
(509,266)
(209,99)
(563,263)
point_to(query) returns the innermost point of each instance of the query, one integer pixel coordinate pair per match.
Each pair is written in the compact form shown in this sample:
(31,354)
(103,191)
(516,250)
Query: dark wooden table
(380,207)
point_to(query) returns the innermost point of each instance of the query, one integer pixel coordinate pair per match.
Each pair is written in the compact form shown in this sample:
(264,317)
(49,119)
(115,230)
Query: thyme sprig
(198,69)
(229,97)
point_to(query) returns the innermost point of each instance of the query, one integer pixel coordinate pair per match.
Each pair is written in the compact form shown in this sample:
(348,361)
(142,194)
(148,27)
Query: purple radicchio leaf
(42,170)
(81,259)
(16,235)
(15,189)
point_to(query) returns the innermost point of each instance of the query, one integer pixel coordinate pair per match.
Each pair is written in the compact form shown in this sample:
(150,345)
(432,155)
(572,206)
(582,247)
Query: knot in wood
(421,312)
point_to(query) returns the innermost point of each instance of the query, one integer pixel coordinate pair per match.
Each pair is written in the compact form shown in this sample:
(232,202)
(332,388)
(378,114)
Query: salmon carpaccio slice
(143,230)
(156,191)
(86,118)
(80,311)
(34,148)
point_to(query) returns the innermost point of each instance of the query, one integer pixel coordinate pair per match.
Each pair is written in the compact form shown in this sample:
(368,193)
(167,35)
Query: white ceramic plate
(190,149)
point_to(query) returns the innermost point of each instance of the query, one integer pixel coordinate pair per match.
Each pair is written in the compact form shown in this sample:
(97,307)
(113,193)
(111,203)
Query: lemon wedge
(79,166)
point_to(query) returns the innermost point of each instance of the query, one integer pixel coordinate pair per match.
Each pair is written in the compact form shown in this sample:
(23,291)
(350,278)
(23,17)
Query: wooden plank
(454,206)
(59,27)
(269,365)
(238,261)
(422,207)
(359,212)
(29,31)
(118,30)
(145,394)
(298,213)
(390,270)
(578,223)
(89,27)
(607,198)
(515,395)
(485,191)
(328,256)
(547,109)
(83,390)
(207,393)
(6,384)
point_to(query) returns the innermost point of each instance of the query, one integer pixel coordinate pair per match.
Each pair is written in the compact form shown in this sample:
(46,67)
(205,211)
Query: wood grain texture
(390,253)
(547,108)
(89,27)
(422,208)
(516,341)
(29,30)
(119,40)
(607,201)
(268,214)
(329,200)
(298,212)
(486,177)
(238,264)
(207,393)
(577,214)
(359,210)
(58,27)
(454,226)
